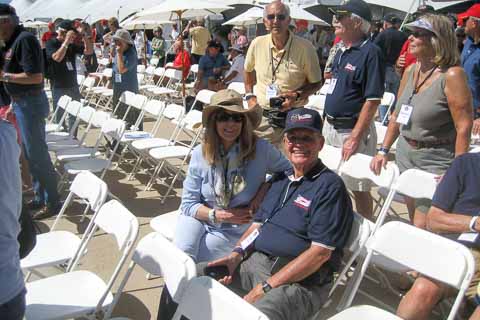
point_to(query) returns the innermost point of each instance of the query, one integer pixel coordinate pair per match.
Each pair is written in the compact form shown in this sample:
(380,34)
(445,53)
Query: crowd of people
(280,238)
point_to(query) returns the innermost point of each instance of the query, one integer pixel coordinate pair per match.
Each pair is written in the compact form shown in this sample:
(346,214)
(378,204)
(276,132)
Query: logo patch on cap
(301,117)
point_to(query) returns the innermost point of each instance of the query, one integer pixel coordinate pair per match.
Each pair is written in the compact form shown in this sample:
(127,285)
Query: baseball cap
(7,10)
(473,11)
(66,25)
(392,18)
(302,118)
(358,7)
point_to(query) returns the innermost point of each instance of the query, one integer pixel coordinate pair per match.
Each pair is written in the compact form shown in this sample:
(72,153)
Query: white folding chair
(173,76)
(237,86)
(131,100)
(475,150)
(388,100)
(72,110)
(84,115)
(160,257)
(84,293)
(112,129)
(141,68)
(165,224)
(206,298)
(57,247)
(331,157)
(63,103)
(431,255)
(316,102)
(203,96)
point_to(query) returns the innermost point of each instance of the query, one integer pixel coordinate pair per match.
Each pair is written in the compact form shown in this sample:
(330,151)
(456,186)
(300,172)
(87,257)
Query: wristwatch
(240,251)
(383,151)
(249,95)
(266,286)
(211,216)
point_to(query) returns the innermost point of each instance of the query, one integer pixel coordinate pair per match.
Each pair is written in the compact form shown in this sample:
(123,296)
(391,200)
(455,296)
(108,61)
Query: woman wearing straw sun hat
(225,179)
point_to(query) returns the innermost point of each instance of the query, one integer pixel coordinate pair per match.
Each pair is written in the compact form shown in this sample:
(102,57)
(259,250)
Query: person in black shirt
(61,55)
(390,41)
(22,76)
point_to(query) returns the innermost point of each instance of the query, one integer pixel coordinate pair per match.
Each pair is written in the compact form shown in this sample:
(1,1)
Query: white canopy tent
(172,9)
(141,24)
(104,9)
(404,5)
(54,9)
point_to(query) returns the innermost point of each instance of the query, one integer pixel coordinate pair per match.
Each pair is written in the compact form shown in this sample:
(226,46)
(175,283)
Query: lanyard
(286,197)
(275,68)
(418,86)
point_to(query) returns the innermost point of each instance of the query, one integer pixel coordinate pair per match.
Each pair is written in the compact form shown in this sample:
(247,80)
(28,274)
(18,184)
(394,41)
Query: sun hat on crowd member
(66,25)
(231,100)
(123,35)
(302,118)
(473,11)
(357,7)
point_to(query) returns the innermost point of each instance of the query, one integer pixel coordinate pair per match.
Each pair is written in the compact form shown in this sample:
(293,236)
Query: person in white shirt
(174,34)
(235,74)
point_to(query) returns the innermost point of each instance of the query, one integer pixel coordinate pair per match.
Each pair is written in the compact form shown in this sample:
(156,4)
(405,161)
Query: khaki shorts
(271,134)
(368,146)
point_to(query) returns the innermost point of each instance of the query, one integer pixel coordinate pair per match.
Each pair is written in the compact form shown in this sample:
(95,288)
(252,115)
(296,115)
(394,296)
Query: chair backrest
(140,78)
(159,71)
(194,68)
(154,108)
(388,99)
(174,111)
(324,89)
(475,150)
(154,61)
(204,96)
(206,298)
(431,255)
(128,97)
(61,104)
(417,184)
(237,86)
(89,82)
(192,120)
(114,128)
(173,74)
(331,157)
(359,234)
(74,107)
(99,118)
(86,114)
(316,101)
(159,256)
(107,72)
(64,101)
(141,68)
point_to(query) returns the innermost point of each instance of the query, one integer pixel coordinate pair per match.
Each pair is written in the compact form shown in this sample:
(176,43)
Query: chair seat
(159,91)
(57,136)
(135,135)
(169,152)
(62,145)
(52,248)
(92,165)
(147,86)
(52,127)
(107,93)
(69,295)
(75,153)
(364,312)
(166,224)
(150,143)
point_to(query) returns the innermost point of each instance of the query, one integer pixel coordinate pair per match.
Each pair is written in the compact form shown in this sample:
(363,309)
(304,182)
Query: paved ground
(140,298)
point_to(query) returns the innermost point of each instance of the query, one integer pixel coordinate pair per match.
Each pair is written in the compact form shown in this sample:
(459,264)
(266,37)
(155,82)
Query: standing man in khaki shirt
(281,65)
(200,37)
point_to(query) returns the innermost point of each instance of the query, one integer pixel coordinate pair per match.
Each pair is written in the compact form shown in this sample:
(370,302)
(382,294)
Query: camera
(276,102)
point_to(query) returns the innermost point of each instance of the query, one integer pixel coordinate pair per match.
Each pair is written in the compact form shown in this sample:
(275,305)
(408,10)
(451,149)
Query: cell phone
(216,272)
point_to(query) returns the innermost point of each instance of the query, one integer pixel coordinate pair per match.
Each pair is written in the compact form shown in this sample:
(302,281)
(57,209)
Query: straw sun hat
(231,100)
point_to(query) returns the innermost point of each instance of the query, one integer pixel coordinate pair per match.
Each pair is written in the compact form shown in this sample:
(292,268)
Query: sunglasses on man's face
(340,16)
(292,139)
(280,17)
(225,117)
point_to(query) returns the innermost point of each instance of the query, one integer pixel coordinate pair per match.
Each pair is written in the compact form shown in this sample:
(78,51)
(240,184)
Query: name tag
(272,91)
(468,237)
(331,87)
(118,78)
(404,114)
(250,239)
(69,66)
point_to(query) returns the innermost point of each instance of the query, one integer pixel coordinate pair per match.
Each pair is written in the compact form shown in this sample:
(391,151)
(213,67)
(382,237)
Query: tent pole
(408,14)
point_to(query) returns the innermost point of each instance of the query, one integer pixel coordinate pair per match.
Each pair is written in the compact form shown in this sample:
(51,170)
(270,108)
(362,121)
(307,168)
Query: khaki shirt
(200,37)
(298,66)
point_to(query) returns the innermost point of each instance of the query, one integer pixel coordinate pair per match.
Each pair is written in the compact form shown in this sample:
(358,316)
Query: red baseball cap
(473,11)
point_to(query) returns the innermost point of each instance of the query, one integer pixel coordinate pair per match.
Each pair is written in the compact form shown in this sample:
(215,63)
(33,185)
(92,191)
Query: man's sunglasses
(280,17)
(224,117)
(291,139)
(340,16)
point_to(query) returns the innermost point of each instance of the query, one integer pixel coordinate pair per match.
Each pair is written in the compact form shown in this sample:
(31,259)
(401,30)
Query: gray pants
(287,302)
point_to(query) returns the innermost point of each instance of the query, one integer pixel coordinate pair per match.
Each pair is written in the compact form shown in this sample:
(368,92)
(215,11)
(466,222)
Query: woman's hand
(378,162)
(231,261)
(234,215)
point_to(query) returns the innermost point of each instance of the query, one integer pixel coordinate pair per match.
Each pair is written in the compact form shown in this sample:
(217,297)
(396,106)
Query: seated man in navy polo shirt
(355,91)
(211,67)
(284,262)
(454,214)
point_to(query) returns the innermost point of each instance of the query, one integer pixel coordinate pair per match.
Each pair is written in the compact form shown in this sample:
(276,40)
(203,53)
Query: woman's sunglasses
(422,33)
(224,117)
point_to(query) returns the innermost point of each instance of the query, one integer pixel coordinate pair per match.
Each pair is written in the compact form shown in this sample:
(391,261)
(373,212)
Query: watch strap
(266,286)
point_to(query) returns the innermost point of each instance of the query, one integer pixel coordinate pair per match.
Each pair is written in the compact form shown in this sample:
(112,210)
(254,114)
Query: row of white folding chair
(173,76)
(73,109)
(62,103)
(431,255)
(100,95)
(83,293)
(150,82)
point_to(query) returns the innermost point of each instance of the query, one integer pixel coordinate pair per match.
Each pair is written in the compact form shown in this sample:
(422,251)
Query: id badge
(331,87)
(272,91)
(404,114)
(468,237)
(69,66)
(250,239)
(118,78)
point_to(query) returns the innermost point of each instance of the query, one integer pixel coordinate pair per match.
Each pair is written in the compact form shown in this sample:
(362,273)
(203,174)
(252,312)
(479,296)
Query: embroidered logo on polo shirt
(350,67)
(302,202)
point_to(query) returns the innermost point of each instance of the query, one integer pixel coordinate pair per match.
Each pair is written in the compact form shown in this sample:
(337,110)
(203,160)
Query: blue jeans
(392,82)
(31,112)
(15,308)
(57,93)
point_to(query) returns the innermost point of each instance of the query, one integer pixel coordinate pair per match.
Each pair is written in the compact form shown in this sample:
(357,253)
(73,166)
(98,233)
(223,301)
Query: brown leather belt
(426,144)
(27,93)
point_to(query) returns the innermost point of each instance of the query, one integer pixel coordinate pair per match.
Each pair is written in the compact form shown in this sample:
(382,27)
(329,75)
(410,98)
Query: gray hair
(364,24)
(285,7)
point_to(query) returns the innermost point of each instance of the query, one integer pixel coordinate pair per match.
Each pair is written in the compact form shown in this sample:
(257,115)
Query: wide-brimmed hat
(231,100)
(123,35)
(66,25)
(358,7)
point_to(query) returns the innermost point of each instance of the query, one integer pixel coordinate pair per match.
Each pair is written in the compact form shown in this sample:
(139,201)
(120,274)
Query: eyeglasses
(4,20)
(291,139)
(340,16)
(224,117)
(280,17)
(422,33)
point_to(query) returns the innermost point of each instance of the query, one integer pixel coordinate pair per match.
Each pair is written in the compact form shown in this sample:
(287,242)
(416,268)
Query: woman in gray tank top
(433,115)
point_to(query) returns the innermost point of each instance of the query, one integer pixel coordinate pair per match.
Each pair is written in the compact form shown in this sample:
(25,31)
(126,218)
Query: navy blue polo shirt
(313,209)
(207,63)
(471,63)
(360,74)
(458,191)
(390,41)
(22,54)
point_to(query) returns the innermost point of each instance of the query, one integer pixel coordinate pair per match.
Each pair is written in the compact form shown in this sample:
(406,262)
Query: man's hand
(290,98)
(476,127)
(120,49)
(255,294)
(378,162)
(70,37)
(234,215)
(231,261)
(350,146)
(401,61)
